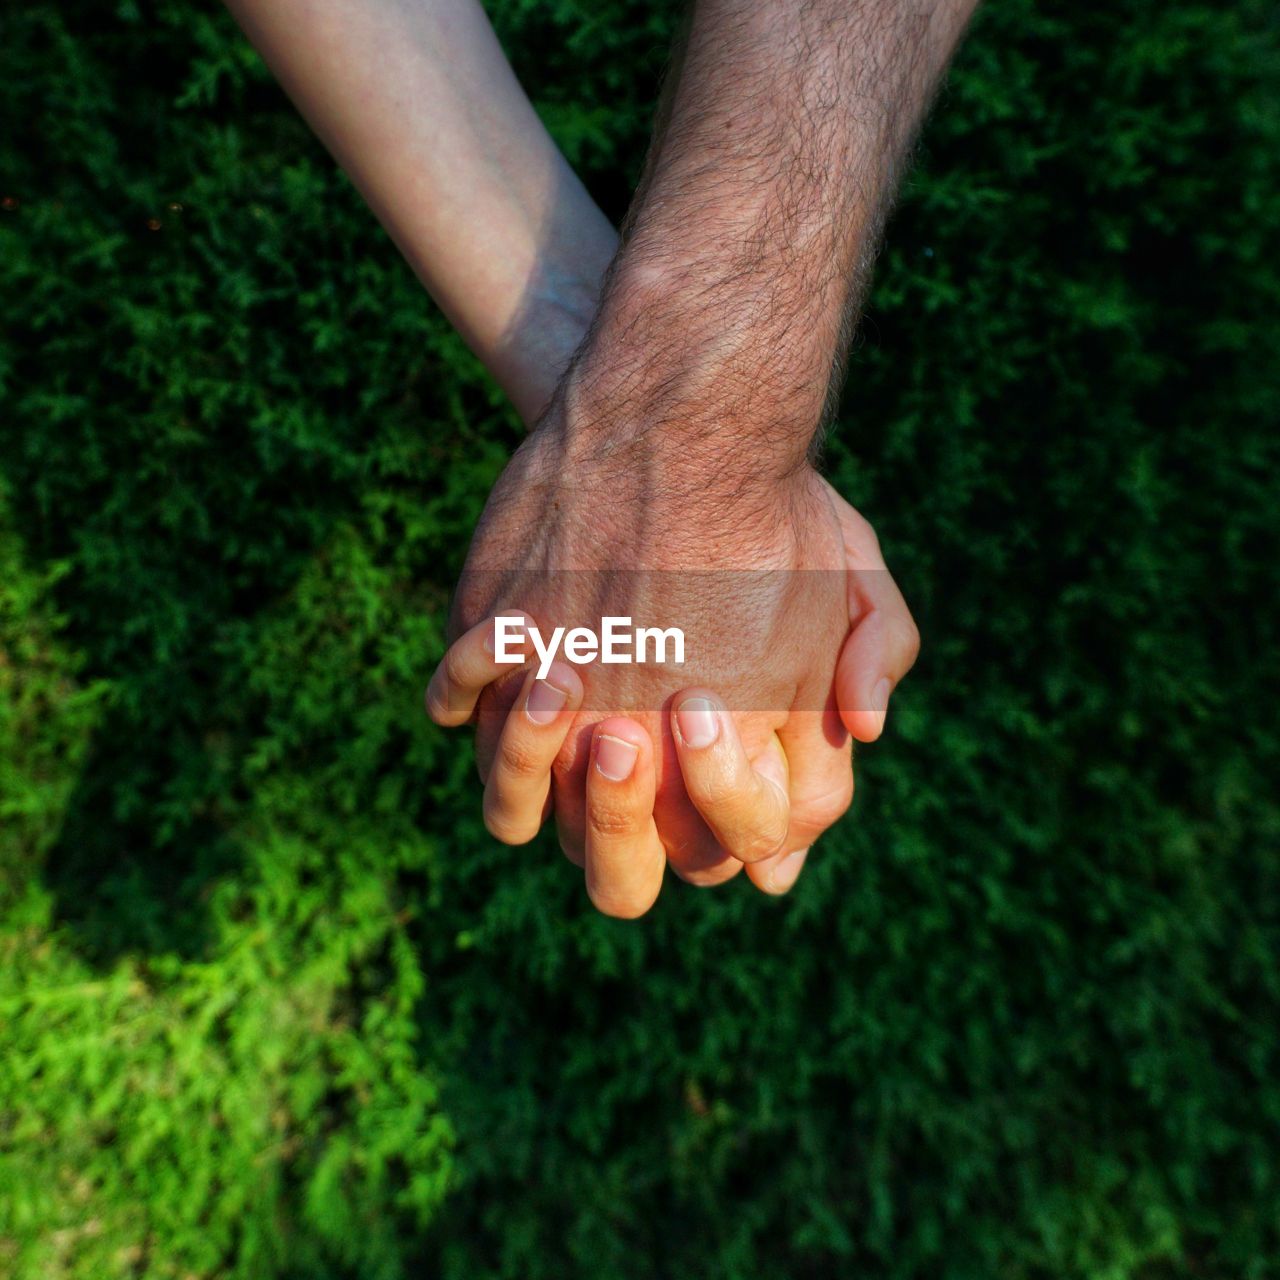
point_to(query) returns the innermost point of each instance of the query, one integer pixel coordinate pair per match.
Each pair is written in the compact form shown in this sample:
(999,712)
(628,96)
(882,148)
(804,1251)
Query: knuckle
(470,604)
(452,667)
(520,760)
(714,789)
(864,531)
(823,811)
(436,705)
(755,846)
(856,528)
(609,819)
(565,767)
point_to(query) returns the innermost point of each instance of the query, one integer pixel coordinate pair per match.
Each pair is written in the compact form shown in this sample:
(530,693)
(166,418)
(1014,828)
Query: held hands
(711,781)
(659,486)
(746,249)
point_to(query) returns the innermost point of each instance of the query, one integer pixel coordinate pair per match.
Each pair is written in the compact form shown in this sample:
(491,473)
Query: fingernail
(615,758)
(544,702)
(699,724)
(880,697)
(784,874)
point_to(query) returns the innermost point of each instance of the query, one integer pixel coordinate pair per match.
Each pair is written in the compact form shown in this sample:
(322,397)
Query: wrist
(676,371)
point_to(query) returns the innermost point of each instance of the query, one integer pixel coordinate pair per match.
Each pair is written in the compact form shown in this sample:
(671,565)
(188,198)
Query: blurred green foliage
(273,1005)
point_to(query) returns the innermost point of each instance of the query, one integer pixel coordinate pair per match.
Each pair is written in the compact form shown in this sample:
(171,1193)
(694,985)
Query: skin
(417,102)
(680,436)
(681,431)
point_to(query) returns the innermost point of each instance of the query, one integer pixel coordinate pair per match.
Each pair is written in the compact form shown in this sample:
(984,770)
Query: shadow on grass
(125,881)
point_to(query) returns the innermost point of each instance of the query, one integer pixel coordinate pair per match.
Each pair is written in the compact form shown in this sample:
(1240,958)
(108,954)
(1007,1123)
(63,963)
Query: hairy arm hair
(781,139)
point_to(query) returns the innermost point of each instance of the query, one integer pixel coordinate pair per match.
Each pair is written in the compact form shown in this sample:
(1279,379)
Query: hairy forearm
(417,102)
(729,308)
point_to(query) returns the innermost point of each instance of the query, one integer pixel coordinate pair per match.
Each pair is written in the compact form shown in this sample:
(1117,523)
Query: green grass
(272,1005)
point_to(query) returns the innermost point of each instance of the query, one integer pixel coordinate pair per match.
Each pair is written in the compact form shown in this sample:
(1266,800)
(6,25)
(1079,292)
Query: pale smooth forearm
(417,102)
(751,237)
